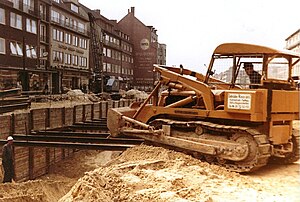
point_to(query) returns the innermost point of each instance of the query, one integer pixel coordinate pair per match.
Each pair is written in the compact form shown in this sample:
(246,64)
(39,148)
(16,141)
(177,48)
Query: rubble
(133,94)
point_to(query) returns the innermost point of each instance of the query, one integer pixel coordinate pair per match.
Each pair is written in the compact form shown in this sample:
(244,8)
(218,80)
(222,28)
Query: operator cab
(253,67)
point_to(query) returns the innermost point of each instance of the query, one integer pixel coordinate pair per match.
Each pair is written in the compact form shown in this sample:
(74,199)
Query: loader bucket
(114,118)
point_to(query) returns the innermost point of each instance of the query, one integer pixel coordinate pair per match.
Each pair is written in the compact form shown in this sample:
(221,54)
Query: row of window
(69,59)
(67,21)
(16,49)
(114,41)
(108,67)
(67,38)
(16,22)
(293,40)
(116,55)
(27,4)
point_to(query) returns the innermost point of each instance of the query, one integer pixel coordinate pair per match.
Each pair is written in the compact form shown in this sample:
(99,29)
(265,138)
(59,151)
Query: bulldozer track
(260,155)
(295,156)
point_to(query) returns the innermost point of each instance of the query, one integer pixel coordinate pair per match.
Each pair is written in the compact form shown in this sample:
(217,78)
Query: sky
(192,29)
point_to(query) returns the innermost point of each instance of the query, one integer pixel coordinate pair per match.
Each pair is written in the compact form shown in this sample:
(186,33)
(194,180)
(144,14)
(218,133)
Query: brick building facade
(144,40)
(18,44)
(47,43)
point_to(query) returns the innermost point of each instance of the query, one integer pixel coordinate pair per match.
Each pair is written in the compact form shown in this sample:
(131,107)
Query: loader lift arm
(200,77)
(171,78)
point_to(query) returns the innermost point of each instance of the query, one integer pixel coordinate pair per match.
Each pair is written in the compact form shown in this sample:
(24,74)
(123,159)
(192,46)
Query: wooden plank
(21,163)
(69,116)
(40,163)
(39,117)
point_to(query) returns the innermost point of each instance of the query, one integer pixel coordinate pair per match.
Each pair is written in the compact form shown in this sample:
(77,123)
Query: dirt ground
(146,173)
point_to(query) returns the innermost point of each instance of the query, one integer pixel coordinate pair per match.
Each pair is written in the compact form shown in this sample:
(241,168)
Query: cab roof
(242,48)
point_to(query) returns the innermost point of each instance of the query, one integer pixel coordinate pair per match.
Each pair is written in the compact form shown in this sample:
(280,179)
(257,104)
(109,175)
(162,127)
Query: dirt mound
(37,190)
(146,173)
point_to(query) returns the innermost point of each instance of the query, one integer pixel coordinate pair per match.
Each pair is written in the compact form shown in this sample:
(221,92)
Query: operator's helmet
(10,138)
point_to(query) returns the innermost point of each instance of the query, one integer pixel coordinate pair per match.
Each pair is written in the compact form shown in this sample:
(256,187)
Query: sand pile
(36,190)
(146,173)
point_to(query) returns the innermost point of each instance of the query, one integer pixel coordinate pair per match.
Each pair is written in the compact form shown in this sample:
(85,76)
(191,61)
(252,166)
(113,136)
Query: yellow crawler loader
(229,121)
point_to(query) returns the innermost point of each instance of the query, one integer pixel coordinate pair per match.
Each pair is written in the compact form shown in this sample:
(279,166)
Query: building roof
(296,32)
(241,48)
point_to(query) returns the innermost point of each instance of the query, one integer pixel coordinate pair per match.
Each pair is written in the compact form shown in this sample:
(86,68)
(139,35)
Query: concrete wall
(32,162)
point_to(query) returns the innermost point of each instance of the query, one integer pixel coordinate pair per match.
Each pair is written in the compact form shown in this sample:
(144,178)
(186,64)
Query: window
(108,54)
(63,19)
(106,38)
(67,58)
(104,67)
(43,12)
(31,26)
(82,61)
(82,43)
(67,38)
(2,16)
(55,16)
(81,27)
(27,5)
(104,51)
(16,3)
(74,8)
(75,60)
(2,46)
(75,24)
(71,22)
(57,56)
(75,41)
(15,20)
(67,21)
(108,67)
(43,33)
(30,51)
(57,1)
(58,35)
(16,48)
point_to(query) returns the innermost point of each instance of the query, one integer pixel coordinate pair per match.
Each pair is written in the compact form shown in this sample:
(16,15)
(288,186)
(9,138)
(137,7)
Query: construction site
(62,154)
(193,138)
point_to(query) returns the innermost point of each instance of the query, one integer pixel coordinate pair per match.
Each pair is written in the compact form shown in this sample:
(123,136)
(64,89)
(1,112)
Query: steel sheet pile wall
(20,125)
(39,119)
(5,126)
(32,162)
(69,113)
(78,111)
(87,112)
(96,111)
(56,118)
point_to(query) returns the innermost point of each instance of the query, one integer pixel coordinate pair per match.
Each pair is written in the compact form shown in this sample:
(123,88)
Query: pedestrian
(254,76)
(46,89)
(7,160)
